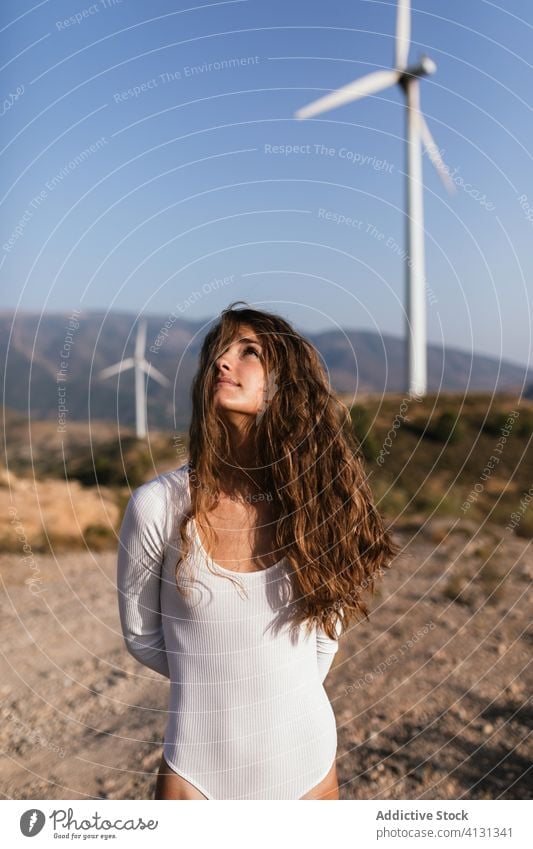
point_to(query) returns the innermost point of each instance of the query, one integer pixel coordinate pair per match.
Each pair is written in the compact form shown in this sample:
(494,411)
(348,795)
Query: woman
(238,571)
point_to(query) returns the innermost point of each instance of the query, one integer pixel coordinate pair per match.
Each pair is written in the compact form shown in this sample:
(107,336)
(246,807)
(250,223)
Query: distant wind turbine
(417,132)
(140,366)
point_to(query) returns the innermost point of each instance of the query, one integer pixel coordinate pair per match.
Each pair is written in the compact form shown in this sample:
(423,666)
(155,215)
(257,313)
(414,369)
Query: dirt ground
(432,694)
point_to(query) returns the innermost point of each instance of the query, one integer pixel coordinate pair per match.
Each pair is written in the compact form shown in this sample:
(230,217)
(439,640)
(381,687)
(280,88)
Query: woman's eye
(253,350)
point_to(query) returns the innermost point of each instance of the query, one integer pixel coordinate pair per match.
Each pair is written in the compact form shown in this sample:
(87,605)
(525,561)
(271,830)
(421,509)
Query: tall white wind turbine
(417,133)
(141,367)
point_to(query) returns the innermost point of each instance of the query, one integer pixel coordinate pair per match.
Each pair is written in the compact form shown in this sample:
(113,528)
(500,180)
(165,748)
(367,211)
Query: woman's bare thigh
(170,785)
(328,788)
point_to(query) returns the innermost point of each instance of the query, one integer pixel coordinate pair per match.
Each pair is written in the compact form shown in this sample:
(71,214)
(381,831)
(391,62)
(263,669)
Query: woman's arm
(325,652)
(140,555)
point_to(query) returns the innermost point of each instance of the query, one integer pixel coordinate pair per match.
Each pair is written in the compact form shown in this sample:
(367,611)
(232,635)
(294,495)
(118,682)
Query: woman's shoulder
(172,484)
(156,503)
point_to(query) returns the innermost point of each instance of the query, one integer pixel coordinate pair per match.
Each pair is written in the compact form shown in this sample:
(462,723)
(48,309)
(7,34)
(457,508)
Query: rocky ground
(431,695)
(51,514)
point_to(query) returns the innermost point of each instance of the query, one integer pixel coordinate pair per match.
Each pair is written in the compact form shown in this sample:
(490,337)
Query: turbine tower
(140,366)
(417,133)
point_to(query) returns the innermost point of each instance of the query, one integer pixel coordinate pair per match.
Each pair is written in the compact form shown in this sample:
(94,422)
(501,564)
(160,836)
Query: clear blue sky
(179,187)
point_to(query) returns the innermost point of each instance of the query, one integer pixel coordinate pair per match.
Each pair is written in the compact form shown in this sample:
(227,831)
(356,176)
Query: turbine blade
(117,368)
(434,154)
(151,371)
(140,342)
(403,34)
(369,84)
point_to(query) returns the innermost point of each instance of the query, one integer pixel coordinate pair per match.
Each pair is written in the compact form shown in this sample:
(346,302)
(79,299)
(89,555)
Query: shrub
(361,427)
(499,419)
(455,589)
(524,528)
(491,580)
(116,463)
(447,428)
(524,423)
(99,537)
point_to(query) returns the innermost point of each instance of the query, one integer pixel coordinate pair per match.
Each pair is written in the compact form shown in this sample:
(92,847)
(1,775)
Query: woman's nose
(223,361)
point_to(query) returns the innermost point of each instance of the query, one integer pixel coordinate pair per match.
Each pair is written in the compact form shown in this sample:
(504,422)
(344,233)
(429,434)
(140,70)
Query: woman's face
(240,376)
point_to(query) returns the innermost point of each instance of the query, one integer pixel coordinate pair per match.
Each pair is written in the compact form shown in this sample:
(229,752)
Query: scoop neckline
(210,559)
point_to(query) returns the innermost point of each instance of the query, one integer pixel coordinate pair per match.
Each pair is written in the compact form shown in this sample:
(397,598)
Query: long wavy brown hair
(306,454)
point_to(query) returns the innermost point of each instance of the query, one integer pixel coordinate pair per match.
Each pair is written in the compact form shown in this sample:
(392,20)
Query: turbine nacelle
(425,67)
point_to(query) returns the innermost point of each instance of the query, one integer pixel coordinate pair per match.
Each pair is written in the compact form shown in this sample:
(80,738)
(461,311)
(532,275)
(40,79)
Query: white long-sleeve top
(248,716)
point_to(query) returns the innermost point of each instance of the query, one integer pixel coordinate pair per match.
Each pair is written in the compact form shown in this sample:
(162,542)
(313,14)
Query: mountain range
(57,356)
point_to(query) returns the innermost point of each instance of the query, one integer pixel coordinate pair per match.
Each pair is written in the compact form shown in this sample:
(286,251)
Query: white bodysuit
(248,717)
